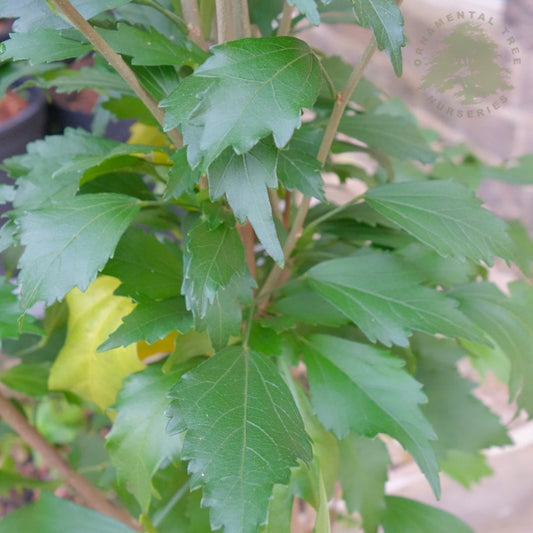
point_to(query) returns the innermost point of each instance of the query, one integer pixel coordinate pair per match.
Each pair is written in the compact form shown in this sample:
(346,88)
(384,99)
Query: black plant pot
(61,117)
(26,126)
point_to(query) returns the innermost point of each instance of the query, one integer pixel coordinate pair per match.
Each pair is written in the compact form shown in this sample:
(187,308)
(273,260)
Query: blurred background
(502,503)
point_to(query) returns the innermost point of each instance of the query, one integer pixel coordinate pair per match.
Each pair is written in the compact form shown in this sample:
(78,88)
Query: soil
(10,105)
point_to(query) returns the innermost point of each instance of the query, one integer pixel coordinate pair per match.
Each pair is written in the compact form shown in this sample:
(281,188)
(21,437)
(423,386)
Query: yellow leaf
(164,345)
(79,368)
(143,134)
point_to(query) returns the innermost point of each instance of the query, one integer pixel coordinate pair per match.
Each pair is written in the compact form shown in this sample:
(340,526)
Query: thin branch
(286,20)
(329,136)
(241,19)
(191,14)
(116,61)
(225,28)
(93,497)
(274,203)
(246,232)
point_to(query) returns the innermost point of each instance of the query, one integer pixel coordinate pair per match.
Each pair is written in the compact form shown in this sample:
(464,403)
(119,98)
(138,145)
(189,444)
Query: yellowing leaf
(143,134)
(164,345)
(79,368)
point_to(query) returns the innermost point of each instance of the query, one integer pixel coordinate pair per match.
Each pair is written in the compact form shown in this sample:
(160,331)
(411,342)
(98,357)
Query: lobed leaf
(508,322)
(212,257)
(138,443)
(79,368)
(362,476)
(405,516)
(445,216)
(66,245)
(51,514)
(240,447)
(355,387)
(386,21)
(147,267)
(384,297)
(264,84)
(152,47)
(43,46)
(245,179)
(150,321)
(395,135)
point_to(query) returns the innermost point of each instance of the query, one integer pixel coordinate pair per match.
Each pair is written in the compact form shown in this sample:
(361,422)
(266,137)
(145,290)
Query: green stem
(162,513)
(330,214)
(116,61)
(169,14)
(248,327)
(329,136)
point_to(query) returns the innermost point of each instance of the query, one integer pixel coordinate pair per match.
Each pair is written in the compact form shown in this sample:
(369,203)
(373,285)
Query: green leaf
(362,475)
(522,246)
(10,481)
(445,216)
(67,245)
(386,21)
(461,421)
(395,135)
(406,516)
(150,321)
(10,312)
(51,514)
(264,14)
(279,511)
(355,387)
(384,298)
(151,47)
(308,8)
(299,170)
(264,84)
(99,77)
(508,322)
(520,173)
(212,257)
(309,307)
(147,267)
(256,435)
(181,178)
(35,14)
(43,46)
(465,468)
(244,180)
(29,378)
(223,318)
(138,443)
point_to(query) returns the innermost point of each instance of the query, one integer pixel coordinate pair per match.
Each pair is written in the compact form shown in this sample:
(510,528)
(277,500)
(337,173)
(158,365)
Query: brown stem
(286,20)
(225,28)
(247,235)
(116,61)
(191,14)
(329,135)
(93,497)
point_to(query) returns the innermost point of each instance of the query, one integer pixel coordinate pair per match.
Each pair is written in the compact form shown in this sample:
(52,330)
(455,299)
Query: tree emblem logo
(468,66)
(466,70)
